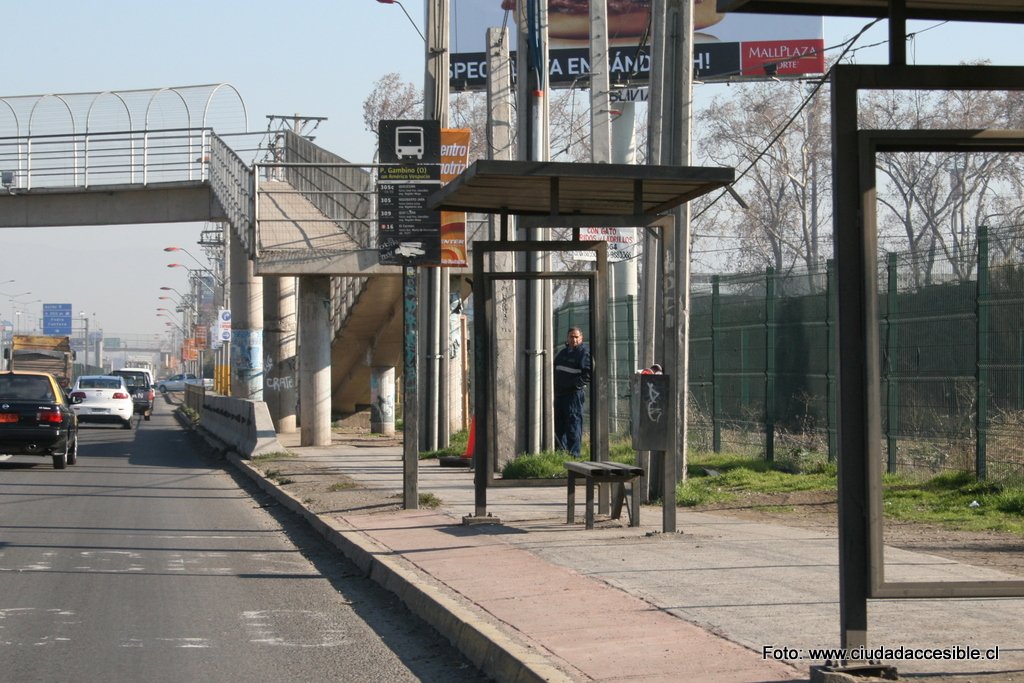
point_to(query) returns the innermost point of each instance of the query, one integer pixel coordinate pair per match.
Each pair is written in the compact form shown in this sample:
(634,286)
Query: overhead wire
(818,83)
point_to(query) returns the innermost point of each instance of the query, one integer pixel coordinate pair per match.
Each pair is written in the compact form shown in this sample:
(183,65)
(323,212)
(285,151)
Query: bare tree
(391,99)
(932,203)
(779,142)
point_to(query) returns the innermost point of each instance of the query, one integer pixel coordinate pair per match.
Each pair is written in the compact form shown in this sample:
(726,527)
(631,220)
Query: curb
(490,650)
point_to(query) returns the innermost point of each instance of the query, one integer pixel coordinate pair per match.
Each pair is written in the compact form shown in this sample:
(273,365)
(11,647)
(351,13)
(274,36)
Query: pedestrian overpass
(291,210)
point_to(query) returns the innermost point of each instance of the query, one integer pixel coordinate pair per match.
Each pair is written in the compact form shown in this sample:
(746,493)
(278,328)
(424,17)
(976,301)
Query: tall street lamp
(12,298)
(182,305)
(17,313)
(201,280)
(204,267)
(170,322)
(396,2)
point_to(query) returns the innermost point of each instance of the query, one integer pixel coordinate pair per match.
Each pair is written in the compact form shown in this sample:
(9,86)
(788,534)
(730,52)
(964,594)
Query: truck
(38,353)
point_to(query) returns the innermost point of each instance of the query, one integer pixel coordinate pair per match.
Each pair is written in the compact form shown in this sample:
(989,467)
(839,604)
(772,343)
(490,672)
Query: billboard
(726,46)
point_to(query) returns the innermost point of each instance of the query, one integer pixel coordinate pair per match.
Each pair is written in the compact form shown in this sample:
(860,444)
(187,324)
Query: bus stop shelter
(560,194)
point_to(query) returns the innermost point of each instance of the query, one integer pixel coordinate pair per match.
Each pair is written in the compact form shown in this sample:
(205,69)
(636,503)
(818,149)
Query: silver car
(102,398)
(178,382)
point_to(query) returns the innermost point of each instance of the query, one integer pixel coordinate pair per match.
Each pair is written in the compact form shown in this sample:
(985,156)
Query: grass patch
(957,500)
(278,478)
(621,450)
(720,477)
(270,457)
(953,499)
(456,446)
(190,415)
(342,486)
(426,500)
(544,465)
(430,501)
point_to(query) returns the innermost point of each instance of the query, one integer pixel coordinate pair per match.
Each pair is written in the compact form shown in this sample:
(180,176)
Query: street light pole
(85,319)
(218,278)
(396,2)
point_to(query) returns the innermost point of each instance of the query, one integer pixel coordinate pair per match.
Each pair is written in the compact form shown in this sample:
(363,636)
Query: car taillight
(121,394)
(152,394)
(49,416)
(78,394)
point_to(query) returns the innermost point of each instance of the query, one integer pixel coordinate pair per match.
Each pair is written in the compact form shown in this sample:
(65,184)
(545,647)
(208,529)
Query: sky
(311,57)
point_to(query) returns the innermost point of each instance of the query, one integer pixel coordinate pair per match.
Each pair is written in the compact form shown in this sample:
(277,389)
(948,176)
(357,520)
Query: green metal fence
(762,361)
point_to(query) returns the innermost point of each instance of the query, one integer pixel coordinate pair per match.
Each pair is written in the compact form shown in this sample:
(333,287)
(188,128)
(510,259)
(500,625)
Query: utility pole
(535,309)
(433,282)
(503,442)
(677,81)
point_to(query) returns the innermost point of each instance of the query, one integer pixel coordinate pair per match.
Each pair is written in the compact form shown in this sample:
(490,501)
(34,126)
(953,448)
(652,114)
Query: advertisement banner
(622,243)
(726,46)
(188,350)
(199,333)
(454,160)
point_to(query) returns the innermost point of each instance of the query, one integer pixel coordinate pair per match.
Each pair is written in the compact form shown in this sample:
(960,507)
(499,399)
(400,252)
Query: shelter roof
(562,190)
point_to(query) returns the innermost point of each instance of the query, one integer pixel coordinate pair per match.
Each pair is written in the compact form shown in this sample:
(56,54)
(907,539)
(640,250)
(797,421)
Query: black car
(143,393)
(36,418)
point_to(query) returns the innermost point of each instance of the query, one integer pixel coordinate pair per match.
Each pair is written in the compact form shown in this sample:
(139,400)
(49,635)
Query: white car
(102,398)
(178,382)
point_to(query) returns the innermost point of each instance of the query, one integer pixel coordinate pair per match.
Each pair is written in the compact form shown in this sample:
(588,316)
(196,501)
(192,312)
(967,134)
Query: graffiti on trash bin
(654,403)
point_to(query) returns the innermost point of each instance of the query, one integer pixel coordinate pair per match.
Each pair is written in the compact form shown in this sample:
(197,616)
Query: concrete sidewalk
(534,598)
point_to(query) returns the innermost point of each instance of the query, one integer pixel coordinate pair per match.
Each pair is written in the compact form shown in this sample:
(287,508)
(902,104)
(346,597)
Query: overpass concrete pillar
(382,400)
(280,385)
(315,360)
(246,325)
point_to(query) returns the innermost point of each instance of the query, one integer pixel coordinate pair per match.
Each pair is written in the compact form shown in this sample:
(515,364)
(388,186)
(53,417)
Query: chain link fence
(763,368)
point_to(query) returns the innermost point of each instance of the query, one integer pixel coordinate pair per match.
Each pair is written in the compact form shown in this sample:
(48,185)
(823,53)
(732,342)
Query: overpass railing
(231,180)
(79,160)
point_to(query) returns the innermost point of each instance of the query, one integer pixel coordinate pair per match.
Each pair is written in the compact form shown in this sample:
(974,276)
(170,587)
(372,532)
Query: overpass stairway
(296,238)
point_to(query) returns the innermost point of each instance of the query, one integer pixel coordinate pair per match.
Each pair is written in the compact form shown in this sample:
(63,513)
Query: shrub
(1010,502)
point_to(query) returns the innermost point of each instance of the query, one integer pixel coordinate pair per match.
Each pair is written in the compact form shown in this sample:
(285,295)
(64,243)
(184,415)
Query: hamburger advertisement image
(731,46)
(569,20)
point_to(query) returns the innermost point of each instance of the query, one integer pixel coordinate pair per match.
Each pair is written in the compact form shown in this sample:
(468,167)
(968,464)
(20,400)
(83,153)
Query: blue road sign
(57,319)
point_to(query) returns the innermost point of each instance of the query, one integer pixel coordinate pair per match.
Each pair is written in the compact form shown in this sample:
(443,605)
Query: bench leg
(590,503)
(634,503)
(570,512)
(618,496)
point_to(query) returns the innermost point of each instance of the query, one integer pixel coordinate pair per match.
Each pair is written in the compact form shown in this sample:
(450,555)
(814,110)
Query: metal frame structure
(483,325)
(861,567)
(871,143)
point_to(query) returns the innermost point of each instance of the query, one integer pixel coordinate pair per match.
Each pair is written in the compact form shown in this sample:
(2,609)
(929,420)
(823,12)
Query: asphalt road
(149,561)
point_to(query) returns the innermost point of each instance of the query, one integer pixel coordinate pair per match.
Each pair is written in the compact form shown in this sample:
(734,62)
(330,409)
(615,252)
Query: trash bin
(650,410)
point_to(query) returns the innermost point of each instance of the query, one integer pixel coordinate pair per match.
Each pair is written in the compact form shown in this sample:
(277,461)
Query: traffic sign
(57,319)
(223,331)
(407,232)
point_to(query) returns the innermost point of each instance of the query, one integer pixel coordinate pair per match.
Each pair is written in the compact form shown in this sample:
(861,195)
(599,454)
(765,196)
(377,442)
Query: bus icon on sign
(409,142)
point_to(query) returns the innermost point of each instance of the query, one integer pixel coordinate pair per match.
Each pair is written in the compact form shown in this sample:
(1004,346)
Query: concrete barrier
(239,425)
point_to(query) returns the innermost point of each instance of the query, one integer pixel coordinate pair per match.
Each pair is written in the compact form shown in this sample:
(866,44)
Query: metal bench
(613,473)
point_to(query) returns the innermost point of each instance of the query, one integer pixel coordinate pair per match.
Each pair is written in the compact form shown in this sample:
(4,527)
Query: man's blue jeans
(569,422)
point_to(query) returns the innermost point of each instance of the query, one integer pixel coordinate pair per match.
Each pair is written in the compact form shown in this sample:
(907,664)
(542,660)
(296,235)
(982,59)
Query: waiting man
(573,366)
